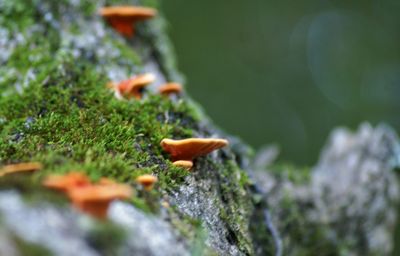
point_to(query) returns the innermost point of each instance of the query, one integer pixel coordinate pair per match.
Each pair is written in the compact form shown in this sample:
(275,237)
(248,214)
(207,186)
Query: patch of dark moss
(192,230)
(10,10)
(185,225)
(300,236)
(142,203)
(236,205)
(26,248)
(262,238)
(295,174)
(87,7)
(106,238)
(198,245)
(303,237)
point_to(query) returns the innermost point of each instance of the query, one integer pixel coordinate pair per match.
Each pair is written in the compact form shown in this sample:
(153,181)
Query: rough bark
(346,204)
(228,204)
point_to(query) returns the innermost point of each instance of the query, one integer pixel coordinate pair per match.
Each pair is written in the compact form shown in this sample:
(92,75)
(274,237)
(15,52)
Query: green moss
(185,225)
(303,237)
(106,238)
(300,235)
(127,52)
(198,247)
(26,248)
(263,242)
(142,203)
(11,9)
(56,109)
(87,7)
(192,230)
(67,119)
(292,173)
(236,205)
(70,121)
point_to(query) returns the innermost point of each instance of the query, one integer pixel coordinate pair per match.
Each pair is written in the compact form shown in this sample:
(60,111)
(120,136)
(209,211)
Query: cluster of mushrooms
(95,198)
(122,18)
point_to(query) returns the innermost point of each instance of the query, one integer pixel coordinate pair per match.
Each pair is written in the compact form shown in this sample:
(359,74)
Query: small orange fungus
(66,182)
(95,199)
(170,88)
(90,198)
(21,167)
(147,181)
(122,18)
(188,149)
(132,87)
(185,164)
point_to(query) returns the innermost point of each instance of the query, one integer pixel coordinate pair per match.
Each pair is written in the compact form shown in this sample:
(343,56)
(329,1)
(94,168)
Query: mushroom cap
(146,180)
(100,193)
(188,149)
(170,88)
(106,181)
(66,182)
(95,199)
(96,209)
(132,87)
(185,164)
(21,167)
(129,13)
(123,17)
(92,199)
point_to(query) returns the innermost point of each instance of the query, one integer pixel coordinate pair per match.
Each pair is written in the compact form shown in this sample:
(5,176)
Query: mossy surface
(295,174)
(236,205)
(69,120)
(30,249)
(106,238)
(66,118)
(301,236)
(291,204)
(55,108)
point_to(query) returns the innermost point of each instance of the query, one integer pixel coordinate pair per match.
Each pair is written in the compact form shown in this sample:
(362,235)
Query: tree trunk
(55,108)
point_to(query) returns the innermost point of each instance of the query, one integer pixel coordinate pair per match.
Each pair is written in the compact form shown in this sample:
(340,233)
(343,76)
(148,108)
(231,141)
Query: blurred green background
(287,72)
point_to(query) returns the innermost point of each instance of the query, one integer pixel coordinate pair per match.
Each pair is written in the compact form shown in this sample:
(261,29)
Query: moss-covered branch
(55,108)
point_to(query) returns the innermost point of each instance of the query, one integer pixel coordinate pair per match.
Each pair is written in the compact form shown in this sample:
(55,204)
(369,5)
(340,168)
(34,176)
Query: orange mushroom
(147,181)
(21,167)
(95,199)
(170,88)
(66,182)
(122,18)
(90,198)
(133,87)
(106,181)
(188,149)
(185,164)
